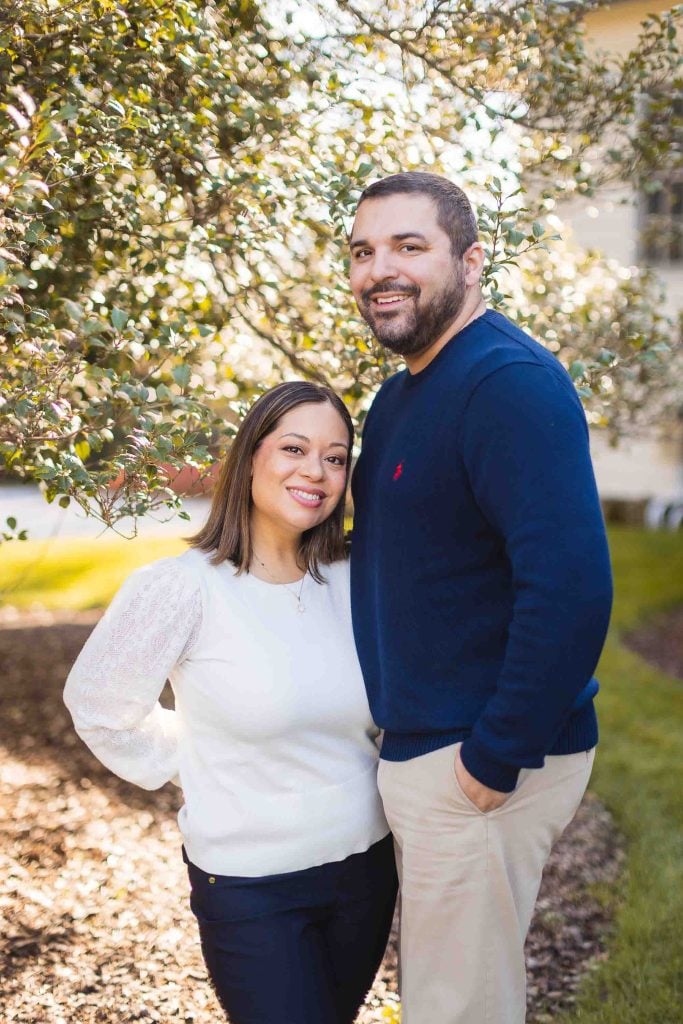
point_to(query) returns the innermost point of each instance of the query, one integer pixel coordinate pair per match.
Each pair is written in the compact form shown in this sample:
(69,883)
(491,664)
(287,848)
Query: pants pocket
(464,799)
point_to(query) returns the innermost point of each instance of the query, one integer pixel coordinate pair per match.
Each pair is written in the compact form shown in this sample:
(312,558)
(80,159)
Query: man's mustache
(388,286)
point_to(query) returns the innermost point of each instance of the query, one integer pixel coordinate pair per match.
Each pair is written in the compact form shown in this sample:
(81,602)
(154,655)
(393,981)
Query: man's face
(406,281)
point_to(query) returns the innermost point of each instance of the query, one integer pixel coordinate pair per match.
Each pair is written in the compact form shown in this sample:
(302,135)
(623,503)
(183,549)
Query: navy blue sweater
(480,577)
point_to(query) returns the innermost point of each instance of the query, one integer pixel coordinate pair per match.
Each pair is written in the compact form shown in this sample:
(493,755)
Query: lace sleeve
(113,688)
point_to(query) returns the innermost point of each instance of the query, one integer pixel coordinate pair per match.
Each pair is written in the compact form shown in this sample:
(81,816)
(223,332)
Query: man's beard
(415,329)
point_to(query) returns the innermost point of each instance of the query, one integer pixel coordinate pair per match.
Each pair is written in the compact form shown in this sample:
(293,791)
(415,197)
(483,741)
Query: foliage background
(178,179)
(176,182)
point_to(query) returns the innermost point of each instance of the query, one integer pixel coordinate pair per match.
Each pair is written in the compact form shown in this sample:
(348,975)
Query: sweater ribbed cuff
(491,773)
(579,732)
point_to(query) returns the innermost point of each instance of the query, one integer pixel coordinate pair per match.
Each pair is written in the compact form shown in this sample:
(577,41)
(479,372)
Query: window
(661,201)
(661,229)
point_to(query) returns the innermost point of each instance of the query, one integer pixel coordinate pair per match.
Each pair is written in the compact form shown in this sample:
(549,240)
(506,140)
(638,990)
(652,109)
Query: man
(481,593)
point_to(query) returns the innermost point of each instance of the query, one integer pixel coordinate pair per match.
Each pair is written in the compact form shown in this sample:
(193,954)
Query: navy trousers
(296,948)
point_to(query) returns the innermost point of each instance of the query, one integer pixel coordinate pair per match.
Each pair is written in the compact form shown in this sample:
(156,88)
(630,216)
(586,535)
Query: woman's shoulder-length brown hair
(227,534)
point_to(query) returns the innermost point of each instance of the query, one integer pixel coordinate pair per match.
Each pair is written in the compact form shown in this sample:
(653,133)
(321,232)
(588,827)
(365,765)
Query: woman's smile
(312,499)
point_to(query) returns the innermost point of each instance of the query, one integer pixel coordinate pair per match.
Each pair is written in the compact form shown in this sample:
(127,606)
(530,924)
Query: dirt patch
(94,922)
(660,642)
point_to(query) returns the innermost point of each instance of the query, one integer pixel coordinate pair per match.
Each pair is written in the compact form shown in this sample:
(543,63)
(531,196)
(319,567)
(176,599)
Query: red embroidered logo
(398,471)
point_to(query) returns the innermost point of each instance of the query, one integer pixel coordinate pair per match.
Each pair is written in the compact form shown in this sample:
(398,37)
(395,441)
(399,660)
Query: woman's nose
(313,467)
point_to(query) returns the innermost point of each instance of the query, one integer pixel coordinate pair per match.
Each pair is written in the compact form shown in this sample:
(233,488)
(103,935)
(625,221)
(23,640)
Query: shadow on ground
(93,910)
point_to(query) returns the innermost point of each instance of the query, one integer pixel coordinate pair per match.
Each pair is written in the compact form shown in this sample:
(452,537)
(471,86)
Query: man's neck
(472,308)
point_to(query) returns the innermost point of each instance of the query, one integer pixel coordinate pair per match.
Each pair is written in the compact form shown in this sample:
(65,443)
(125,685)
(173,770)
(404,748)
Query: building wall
(616,28)
(609,221)
(639,468)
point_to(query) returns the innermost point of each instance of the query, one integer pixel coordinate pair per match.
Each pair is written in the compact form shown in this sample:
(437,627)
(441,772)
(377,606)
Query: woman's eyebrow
(302,437)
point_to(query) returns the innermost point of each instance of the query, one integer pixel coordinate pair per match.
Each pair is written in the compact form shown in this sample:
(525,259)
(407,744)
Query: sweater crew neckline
(411,380)
(273,587)
(273,583)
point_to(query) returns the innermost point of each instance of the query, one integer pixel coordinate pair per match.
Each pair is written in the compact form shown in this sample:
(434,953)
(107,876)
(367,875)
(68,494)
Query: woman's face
(299,470)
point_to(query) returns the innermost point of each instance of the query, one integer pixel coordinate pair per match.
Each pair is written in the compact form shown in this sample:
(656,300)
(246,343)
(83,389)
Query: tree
(178,179)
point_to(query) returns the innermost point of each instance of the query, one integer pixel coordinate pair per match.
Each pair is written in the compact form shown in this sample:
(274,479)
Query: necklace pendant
(300,607)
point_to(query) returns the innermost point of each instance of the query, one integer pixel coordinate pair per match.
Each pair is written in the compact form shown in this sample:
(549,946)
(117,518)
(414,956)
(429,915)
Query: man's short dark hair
(454,212)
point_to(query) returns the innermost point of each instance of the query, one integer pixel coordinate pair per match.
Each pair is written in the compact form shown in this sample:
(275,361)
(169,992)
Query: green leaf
(515,237)
(50,132)
(73,311)
(64,501)
(67,112)
(114,105)
(119,318)
(11,522)
(182,374)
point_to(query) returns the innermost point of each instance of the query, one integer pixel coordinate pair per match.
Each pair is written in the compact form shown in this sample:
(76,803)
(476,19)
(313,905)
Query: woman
(290,863)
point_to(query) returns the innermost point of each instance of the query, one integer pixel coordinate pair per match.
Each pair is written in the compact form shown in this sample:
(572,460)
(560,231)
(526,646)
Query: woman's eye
(292,448)
(338,460)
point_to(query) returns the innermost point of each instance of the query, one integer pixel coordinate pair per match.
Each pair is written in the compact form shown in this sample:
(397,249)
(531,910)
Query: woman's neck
(275,559)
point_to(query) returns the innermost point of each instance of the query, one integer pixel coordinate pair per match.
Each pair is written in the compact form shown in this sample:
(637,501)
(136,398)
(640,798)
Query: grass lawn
(638,774)
(638,770)
(74,573)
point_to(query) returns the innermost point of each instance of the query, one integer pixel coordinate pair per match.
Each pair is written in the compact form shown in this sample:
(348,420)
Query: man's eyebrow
(302,437)
(395,238)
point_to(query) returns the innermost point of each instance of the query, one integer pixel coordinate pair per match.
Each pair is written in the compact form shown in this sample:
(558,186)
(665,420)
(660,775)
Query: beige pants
(469,881)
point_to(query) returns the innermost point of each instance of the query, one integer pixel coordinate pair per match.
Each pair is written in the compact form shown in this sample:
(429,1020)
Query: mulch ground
(660,642)
(94,922)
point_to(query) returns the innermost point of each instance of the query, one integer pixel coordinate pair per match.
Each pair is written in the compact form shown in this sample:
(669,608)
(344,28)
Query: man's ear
(473,263)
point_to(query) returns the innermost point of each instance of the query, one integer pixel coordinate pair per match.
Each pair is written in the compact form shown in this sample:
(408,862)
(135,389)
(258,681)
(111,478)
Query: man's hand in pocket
(483,798)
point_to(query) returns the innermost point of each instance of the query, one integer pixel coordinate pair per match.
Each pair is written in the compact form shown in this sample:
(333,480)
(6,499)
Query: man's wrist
(486,769)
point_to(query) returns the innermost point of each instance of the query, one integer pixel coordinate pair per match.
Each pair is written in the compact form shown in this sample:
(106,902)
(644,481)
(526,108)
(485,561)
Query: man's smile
(389,302)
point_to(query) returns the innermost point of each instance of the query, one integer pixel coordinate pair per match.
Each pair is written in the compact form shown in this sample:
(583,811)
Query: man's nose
(383,266)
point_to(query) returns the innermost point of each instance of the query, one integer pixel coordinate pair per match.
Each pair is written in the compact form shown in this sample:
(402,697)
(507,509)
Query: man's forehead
(395,215)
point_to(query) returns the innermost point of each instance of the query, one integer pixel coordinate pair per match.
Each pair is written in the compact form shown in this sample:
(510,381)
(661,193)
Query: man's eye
(409,247)
(361,252)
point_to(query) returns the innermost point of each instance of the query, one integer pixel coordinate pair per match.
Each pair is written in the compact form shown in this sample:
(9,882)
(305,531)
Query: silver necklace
(297,597)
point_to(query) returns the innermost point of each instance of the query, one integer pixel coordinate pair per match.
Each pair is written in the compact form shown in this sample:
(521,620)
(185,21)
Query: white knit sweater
(271,739)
